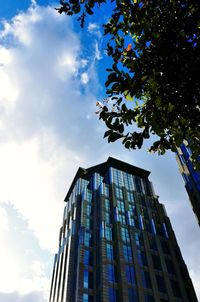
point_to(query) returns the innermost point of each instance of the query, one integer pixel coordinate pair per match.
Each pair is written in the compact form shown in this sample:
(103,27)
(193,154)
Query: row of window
(130,276)
(128,257)
(131,182)
(132,296)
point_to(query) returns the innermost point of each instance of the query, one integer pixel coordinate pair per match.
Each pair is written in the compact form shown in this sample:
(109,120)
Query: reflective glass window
(138,239)
(120,206)
(132,295)
(107,204)
(89,196)
(125,234)
(170,266)
(161,284)
(118,192)
(85,297)
(111,273)
(131,221)
(88,209)
(130,274)
(165,247)
(106,191)
(128,181)
(175,288)
(127,253)
(146,281)
(132,209)
(149,298)
(87,257)
(85,278)
(108,233)
(107,217)
(130,197)
(138,185)
(112,294)
(87,238)
(87,223)
(122,218)
(142,258)
(109,251)
(152,243)
(156,262)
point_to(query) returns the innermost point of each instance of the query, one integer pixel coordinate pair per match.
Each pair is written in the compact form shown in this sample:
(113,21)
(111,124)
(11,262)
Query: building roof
(103,167)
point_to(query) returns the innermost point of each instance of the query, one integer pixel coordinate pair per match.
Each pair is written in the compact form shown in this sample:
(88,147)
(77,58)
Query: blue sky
(51,75)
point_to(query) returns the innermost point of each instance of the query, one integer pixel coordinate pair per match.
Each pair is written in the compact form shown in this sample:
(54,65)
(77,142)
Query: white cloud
(5,56)
(84,78)
(17,297)
(97,52)
(4,220)
(94,28)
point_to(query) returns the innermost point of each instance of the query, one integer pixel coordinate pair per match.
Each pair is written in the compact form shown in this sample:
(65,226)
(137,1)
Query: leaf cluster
(161,69)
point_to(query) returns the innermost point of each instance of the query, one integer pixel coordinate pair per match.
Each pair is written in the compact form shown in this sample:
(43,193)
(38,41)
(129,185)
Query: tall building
(116,242)
(191,177)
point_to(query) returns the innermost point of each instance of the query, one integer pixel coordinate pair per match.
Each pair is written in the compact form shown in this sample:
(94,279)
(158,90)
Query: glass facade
(190,176)
(116,242)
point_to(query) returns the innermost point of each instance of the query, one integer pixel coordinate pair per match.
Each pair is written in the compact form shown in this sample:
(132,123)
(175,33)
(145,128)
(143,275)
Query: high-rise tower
(190,176)
(116,242)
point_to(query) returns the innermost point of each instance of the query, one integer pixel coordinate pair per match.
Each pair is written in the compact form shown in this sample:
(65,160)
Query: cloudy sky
(51,74)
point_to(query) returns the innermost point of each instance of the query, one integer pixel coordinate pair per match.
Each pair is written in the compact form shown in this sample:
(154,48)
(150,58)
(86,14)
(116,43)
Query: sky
(51,74)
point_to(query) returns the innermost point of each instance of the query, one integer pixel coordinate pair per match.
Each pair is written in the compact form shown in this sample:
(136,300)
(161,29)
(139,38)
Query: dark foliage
(156,64)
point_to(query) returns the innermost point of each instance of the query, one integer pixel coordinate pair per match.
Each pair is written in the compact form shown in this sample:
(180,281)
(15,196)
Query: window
(175,288)
(132,295)
(122,219)
(117,177)
(161,284)
(130,197)
(150,227)
(108,233)
(85,298)
(131,221)
(138,185)
(86,257)
(141,222)
(138,239)
(112,292)
(85,278)
(118,192)
(109,251)
(107,204)
(120,206)
(125,234)
(156,262)
(88,209)
(89,196)
(128,181)
(152,243)
(146,281)
(165,247)
(106,191)
(170,266)
(127,253)
(111,273)
(132,209)
(142,258)
(87,223)
(148,298)
(107,217)
(130,275)
(87,238)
